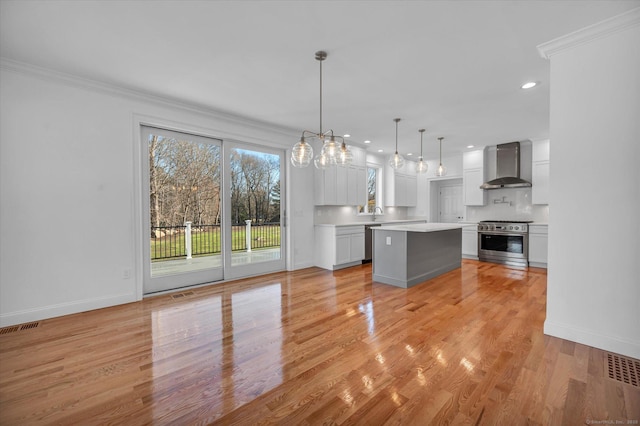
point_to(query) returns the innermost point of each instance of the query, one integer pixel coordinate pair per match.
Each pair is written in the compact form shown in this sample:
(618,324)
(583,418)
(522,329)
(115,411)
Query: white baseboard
(51,311)
(302,265)
(605,342)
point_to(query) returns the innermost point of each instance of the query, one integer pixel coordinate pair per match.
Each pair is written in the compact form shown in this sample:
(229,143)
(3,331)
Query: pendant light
(396,161)
(344,156)
(332,152)
(442,170)
(421,165)
(321,161)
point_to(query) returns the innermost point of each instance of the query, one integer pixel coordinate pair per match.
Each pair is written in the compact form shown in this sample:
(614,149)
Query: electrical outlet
(388,241)
(126,274)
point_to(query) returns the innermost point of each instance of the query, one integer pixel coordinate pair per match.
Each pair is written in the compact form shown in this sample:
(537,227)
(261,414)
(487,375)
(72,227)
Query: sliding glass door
(254,239)
(183,200)
(212,210)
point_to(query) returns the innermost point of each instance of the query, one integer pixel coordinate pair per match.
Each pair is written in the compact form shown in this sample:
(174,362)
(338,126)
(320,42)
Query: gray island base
(406,255)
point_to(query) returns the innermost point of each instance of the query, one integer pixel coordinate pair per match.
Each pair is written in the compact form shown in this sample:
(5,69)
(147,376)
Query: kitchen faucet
(374,212)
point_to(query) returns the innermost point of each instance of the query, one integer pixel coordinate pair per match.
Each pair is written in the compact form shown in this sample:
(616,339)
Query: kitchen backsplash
(516,205)
(349,214)
(508,204)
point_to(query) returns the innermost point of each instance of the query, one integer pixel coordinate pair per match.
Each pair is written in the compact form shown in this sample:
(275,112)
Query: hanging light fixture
(332,151)
(344,155)
(396,161)
(442,170)
(321,161)
(421,165)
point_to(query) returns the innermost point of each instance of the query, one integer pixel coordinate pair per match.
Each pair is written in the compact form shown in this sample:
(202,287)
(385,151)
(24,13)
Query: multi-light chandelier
(332,153)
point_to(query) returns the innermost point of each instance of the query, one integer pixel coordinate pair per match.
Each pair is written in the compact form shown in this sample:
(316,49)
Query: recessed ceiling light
(380,150)
(367,141)
(409,153)
(470,146)
(347,135)
(529,85)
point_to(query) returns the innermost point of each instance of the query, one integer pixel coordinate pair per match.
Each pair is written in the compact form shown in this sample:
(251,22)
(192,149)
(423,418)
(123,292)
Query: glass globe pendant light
(421,165)
(330,149)
(344,156)
(301,154)
(442,170)
(396,161)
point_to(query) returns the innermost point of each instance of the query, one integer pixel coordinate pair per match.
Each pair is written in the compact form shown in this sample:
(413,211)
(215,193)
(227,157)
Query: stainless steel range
(505,242)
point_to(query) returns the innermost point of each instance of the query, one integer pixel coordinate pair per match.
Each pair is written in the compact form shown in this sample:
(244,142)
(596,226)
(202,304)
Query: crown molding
(588,34)
(136,94)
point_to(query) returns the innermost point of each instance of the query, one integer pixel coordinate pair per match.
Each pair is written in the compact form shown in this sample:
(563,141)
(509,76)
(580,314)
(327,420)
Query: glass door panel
(254,226)
(183,210)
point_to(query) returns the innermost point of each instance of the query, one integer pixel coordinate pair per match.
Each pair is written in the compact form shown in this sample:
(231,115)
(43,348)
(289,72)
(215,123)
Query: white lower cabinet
(470,242)
(538,245)
(338,247)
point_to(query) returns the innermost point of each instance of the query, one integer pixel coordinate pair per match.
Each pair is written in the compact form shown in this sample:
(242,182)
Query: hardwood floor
(315,347)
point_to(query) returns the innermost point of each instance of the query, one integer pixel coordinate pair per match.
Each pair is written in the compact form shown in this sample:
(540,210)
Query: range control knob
(516,228)
(511,228)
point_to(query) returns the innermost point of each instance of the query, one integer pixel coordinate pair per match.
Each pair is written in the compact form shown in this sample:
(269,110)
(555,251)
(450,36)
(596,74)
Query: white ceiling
(452,67)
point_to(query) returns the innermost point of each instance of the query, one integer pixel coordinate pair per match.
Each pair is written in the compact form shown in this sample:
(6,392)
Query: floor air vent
(182,295)
(20,327)
(622,369)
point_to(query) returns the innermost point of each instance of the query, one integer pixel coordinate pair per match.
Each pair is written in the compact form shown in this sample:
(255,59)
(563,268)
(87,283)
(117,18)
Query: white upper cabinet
(343,186)
(401,186)
(540,172)
(473,175)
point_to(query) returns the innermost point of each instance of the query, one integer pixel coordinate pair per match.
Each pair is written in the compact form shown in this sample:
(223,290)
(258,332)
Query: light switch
(388,241)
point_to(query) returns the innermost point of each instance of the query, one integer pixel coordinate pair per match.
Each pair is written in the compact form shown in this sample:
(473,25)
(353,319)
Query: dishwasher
(368,242)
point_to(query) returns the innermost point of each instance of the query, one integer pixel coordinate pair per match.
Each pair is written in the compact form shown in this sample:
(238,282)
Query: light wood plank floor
(315,347)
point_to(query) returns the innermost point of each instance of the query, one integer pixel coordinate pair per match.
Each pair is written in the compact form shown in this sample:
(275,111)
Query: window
(373,192)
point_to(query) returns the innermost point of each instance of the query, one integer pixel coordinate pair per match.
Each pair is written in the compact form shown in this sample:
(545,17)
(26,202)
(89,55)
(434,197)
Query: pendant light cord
(320,60)
(396,120)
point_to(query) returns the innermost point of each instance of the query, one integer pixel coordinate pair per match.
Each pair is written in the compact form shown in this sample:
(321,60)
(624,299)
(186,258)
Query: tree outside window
(372,191)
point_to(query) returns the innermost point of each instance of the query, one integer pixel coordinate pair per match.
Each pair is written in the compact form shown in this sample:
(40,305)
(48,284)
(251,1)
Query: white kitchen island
(405,255)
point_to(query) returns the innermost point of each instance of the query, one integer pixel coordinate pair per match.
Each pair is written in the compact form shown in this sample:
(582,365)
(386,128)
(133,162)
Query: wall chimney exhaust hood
(507,168)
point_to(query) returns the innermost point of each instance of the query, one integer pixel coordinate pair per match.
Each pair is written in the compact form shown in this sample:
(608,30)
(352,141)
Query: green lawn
(206,243)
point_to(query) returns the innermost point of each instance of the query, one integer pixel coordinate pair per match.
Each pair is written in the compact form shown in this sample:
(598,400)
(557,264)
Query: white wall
(67,150)
(594,228)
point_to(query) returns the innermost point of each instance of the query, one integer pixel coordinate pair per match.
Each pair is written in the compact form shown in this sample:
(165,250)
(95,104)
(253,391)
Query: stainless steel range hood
(507,168)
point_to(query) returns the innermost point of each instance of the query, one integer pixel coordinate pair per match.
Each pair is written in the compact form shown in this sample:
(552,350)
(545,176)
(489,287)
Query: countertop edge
(421,227)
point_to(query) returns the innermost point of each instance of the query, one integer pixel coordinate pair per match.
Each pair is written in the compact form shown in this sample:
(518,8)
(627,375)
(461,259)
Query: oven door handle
(506,234)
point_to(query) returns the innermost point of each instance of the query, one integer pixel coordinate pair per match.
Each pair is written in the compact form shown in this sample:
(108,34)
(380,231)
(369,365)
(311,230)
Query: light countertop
(421,227)
(377,222)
